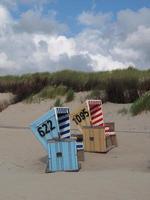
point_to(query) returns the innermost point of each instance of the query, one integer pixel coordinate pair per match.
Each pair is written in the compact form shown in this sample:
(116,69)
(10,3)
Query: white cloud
(128,20)
(9,3)
(34,22)
(92,41)
(28,50)
(95,20)
(5,18)
(120,43)
(39,44)
(57,45)
(5,62)
(100,62)
(125,53)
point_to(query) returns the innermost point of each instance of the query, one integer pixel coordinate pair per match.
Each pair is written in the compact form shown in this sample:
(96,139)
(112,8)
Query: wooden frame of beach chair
(95,139)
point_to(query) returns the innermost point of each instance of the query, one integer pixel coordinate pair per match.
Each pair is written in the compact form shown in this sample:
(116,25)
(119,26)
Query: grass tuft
(142,104)
(58,103)
(70,95)
(48,92)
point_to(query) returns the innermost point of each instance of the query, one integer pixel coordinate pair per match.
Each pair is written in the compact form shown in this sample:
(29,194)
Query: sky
(86,35)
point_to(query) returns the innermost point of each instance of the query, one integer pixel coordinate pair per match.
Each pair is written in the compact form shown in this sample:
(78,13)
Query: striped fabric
(96,113)
(79,145)
(64,125)
(109,129)
(79,140)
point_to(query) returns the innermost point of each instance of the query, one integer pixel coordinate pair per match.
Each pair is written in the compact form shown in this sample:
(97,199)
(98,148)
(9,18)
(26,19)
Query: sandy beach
(121,174)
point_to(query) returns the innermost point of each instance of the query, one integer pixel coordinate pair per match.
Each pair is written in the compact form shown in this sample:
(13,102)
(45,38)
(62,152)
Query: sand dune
(5,100)
(121,174)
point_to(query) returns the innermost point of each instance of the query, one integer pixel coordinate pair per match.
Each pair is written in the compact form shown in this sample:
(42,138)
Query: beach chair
(90,117)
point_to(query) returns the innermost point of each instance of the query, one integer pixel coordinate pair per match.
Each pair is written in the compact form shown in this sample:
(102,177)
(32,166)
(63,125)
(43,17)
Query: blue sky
(68,10)
(87,35)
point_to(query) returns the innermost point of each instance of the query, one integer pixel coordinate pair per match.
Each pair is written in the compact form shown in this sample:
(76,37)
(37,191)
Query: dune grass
(48,92)
(120,86)
(142,104)
(70,95)
(97,94)
(58,102)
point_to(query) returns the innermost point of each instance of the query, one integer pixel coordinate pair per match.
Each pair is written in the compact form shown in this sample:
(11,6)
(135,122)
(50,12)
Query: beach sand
(121,174)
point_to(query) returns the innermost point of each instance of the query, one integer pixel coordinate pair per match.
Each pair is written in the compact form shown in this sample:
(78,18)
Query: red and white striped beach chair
(97,118)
